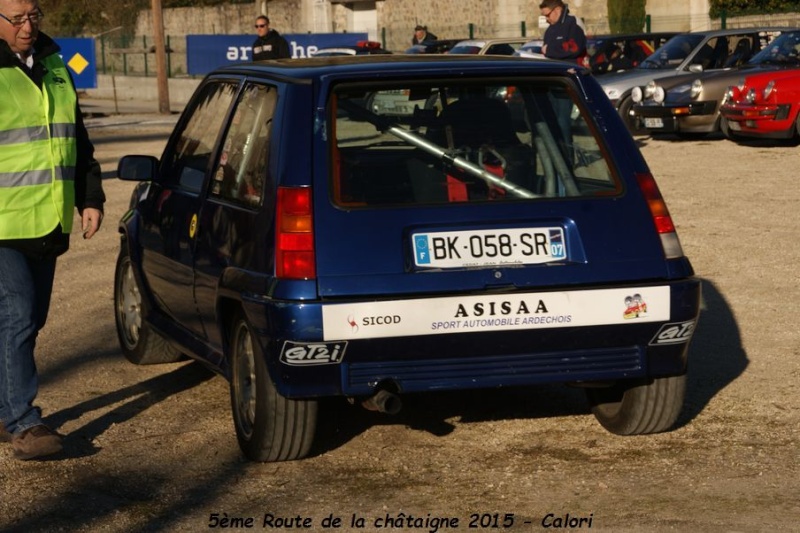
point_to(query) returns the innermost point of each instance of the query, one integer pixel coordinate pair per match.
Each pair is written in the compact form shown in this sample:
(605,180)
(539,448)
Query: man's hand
(91,219)
(544,50)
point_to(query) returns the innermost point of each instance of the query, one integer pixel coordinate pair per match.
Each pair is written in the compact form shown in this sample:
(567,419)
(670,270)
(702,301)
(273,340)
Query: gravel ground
(153,448)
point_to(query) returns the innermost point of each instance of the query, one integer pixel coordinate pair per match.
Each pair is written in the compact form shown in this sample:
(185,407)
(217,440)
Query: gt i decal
(674,333)
(312,353)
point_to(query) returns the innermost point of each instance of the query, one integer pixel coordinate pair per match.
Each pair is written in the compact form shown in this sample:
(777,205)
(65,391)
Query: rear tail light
(661,217)
(294,234)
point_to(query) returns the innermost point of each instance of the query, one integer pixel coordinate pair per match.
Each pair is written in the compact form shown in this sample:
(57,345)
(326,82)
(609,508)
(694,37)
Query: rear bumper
(304,365)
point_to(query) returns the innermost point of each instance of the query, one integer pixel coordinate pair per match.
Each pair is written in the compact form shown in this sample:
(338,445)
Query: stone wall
(395,20)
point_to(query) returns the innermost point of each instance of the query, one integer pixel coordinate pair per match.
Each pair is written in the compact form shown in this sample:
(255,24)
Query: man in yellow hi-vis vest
(47,168)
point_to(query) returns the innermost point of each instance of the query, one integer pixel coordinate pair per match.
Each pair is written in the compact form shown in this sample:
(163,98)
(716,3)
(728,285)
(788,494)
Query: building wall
(397,18)
(679,15)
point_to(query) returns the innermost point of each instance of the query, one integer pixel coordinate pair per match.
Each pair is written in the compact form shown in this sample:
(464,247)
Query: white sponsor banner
(497,312)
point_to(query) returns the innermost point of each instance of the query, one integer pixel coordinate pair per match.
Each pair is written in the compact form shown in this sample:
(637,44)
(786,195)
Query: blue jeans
(25,288)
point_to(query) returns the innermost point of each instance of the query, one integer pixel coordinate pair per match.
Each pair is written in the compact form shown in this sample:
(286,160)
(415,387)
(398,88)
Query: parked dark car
(307,246)
(616,52)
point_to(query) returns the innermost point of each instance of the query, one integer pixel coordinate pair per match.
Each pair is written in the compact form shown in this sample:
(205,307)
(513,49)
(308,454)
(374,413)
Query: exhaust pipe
(383,401)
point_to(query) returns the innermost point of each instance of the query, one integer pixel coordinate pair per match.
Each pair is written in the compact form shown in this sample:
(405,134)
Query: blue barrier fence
(204,53)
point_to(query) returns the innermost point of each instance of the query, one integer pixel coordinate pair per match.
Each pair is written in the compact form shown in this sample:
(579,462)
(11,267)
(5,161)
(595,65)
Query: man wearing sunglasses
(47,168)
(269,44)
(564,39)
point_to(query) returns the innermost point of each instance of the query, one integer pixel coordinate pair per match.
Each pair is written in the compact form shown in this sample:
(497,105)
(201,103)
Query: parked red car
(765,105)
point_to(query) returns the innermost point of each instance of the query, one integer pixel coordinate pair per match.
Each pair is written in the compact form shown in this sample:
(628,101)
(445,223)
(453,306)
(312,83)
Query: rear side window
(189,160)
(462,141)
(241,170)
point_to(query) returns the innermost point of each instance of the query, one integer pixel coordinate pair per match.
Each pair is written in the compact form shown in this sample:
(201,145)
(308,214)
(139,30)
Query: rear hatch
(471,183)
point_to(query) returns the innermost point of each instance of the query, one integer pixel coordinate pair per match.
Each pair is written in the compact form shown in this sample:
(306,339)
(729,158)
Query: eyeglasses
(20,20)
(261,25)
(547,15)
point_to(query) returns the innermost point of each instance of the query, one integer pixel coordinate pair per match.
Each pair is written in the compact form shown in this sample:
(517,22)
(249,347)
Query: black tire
(725,128)
(269,427)
(639,407)
(692,135)
(139,343)
(624,111)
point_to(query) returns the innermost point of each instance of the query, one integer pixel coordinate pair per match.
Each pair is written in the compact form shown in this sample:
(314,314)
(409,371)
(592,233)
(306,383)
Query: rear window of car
(465,49)
(464,141)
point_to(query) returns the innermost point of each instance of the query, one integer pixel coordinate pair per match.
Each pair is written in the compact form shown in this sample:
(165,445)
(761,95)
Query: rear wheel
(269,427)
(140,344)
(639,407)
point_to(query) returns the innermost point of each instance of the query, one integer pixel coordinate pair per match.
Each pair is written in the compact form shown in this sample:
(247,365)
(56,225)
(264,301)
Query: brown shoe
(5,436)
(36,442)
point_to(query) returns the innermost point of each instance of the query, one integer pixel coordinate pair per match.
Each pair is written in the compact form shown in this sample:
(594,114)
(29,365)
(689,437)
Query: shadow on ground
(716,355)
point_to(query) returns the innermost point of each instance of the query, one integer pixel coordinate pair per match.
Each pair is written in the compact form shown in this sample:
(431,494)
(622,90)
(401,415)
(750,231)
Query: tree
(748,7)
(626,16)
(73,18)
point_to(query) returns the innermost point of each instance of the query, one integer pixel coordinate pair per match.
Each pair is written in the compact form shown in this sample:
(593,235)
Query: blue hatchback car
(379,226)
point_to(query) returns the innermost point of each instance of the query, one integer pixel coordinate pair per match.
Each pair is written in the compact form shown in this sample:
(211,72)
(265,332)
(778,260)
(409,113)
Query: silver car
(504,46)
(689,106)
(682,55)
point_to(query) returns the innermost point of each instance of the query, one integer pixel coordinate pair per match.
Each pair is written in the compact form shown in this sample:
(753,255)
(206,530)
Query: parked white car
(500,46)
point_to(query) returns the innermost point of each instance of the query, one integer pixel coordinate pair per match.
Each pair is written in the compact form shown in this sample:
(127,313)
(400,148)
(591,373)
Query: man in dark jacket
(564,39)
(47,168)
(422,35)
(269,44)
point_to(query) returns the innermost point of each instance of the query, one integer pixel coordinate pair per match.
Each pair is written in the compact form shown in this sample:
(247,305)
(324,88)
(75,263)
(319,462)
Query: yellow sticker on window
(193,226)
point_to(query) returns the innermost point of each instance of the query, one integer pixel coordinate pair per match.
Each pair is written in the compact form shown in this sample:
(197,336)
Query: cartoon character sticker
(635,307)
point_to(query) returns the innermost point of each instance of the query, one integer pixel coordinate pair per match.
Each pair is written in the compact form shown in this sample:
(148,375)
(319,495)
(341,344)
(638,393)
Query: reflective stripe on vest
(38,152)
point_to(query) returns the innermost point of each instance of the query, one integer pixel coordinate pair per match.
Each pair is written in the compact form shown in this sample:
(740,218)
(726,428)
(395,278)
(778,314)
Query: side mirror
(695,68)
(137,168)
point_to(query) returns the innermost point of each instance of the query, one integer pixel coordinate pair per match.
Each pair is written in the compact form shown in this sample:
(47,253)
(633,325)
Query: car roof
(737,31)
(315,67)
(440,45)
(498,40)
(622,36)
(341,50)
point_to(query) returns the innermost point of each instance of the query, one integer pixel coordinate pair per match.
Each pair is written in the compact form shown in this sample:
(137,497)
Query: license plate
(481,248)
(653,122)
(735,126)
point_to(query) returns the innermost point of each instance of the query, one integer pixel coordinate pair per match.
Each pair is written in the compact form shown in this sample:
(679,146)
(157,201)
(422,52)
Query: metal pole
(114,86)
(161,59)
(144,45)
